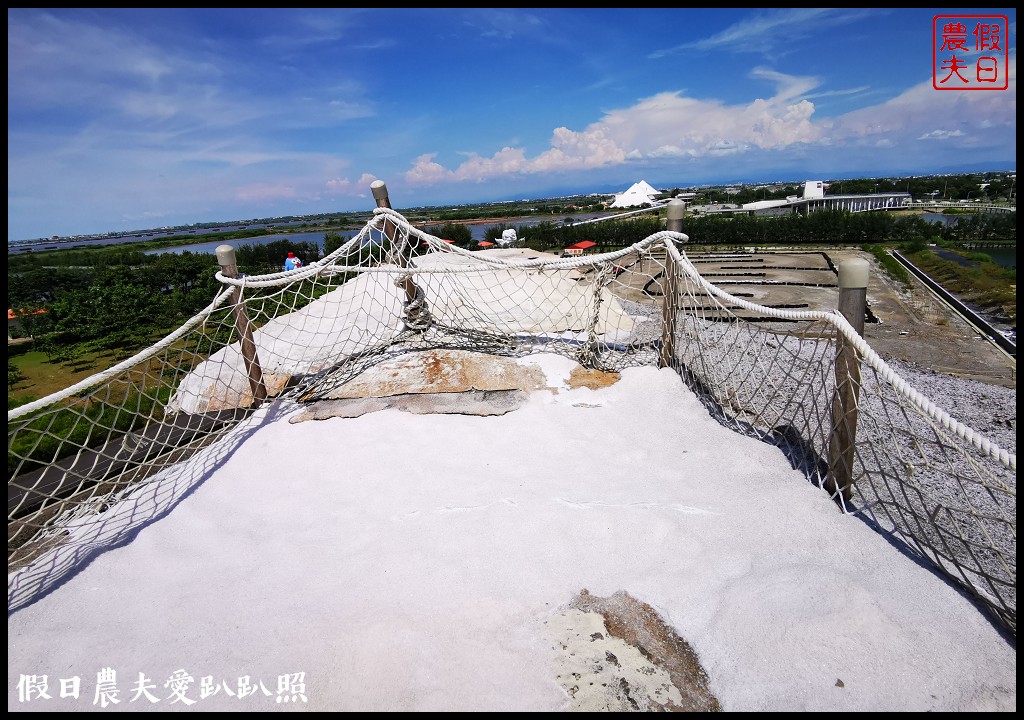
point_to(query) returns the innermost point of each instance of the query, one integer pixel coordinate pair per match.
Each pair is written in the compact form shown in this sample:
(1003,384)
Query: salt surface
(411,562)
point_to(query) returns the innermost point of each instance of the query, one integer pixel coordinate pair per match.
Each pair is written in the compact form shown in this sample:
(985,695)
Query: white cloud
(427,172)
(343,186)
(767,31)
(338,186)
(836,93)
(980,117)
(670,126)
(596,146)
(662,126)
(941,135)
(507,161)
(505,23)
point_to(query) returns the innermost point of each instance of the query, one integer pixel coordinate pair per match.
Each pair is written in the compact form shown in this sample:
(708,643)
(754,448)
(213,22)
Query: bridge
(869,202)
(855,203)
(940,205)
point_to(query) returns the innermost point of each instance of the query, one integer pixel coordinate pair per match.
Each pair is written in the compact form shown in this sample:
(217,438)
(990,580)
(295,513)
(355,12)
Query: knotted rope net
(89,465)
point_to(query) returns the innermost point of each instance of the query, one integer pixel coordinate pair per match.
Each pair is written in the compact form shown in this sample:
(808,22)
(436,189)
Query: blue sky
(122,119)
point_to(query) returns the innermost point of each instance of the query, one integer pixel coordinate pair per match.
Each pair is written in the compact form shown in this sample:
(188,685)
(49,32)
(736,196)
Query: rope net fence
(90,465)
(917,474)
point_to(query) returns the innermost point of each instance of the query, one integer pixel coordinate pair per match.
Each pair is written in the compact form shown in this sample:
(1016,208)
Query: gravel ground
(989,409)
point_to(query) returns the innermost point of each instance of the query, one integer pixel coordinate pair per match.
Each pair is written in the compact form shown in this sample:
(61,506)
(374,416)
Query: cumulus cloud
(507,161)
(979,117)
(726,147)
(596,146)
(427,172)
(668,124)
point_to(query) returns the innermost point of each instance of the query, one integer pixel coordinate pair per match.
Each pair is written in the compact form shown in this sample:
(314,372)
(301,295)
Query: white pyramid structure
(640,193)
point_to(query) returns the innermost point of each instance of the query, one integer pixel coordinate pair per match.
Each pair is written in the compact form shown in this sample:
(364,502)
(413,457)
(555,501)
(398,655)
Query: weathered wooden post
(670,303)
(417,315)
(229,266)
(853,292)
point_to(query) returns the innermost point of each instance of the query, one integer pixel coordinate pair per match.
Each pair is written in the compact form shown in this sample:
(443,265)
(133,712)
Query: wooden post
(380,195)
(670,303)
(229,266)
(853,289)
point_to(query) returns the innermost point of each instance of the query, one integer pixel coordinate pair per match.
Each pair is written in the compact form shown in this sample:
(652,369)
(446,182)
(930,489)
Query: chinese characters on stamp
(970,52)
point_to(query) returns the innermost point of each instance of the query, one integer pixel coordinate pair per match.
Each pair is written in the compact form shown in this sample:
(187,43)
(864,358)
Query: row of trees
(120,298)
(525,208)
(825,227)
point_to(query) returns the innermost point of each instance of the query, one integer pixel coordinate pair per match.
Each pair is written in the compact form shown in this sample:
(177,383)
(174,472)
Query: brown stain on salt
(593,379)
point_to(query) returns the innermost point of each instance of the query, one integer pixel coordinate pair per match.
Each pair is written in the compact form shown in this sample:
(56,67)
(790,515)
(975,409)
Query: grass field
(42,377)
(974,280)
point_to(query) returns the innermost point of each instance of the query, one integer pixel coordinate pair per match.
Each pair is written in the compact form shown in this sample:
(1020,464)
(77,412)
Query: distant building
(814,189)
(638,195)
(579,247)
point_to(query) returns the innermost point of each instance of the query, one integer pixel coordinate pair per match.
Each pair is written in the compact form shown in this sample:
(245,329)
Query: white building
(814,189)
(638,195)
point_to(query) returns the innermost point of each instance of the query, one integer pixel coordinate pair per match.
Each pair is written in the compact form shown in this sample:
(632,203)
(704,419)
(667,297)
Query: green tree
(48,345)
(332,241)
(70,354)
(14,375)
(458,233)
